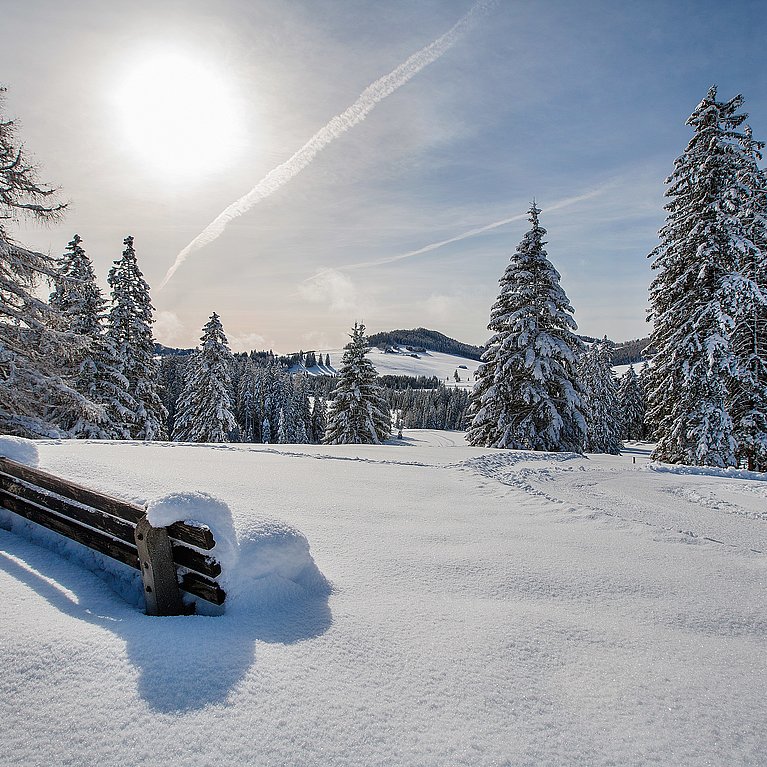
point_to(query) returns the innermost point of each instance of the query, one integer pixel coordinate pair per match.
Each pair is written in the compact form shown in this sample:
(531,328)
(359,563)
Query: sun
(179,114)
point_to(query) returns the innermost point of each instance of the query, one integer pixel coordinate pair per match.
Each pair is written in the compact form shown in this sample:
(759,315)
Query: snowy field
(487,608)
(428,363)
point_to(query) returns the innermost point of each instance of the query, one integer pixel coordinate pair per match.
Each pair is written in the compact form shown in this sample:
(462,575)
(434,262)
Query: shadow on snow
(183,663)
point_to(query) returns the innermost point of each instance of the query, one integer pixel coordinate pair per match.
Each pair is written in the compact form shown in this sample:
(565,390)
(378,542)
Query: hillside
(487,608)
(423,339)
(400,361)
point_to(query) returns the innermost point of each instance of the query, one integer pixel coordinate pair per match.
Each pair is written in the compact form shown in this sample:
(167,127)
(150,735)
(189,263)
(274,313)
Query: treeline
(437,408)
(631,352)
(421,339)
(271,404)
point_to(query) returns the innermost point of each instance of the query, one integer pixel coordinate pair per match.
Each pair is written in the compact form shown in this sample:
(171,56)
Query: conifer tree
(359,413)
(527,394)
(319,420)
(696,294)
(266,432)
(94,369)
(130,331)
(282,431)
(205,408)
(632,406)
(301,410)
(600,401)
(32,346)
(748,386)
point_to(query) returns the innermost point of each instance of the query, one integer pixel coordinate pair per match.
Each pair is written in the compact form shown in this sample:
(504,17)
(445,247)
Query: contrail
(463,236)
(341,123)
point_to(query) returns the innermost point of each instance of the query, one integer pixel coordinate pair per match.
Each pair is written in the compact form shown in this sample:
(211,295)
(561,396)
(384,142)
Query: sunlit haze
(156,119)
(178,114)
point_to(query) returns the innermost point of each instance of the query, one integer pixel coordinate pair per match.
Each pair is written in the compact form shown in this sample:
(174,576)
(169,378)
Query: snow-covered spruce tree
(632,405)
(748,386)
(600,401)
(32,344)
(358,411)
(130,331)
(694,297)
(301,410)
(247,402)
(94,369)
(319,420)
(527,394)
(282,429)
(204,411)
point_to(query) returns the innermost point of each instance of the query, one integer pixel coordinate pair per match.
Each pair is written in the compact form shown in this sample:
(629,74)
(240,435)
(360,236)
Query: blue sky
(559,101)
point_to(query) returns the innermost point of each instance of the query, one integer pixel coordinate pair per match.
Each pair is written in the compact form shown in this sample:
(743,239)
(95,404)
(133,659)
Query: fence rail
(118,529)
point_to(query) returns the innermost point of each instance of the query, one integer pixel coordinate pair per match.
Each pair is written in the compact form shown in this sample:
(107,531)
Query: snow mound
(706,471)
(274,565)
(199,509)
(264,562)
(20,450)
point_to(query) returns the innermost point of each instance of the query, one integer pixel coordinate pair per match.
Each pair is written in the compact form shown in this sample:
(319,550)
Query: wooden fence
(119,530)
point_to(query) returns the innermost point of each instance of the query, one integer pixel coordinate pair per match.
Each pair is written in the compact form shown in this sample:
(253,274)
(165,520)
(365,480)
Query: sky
(153,118)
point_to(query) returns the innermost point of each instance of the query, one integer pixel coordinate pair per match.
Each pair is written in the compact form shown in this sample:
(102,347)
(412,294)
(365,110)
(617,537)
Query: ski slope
(486,608)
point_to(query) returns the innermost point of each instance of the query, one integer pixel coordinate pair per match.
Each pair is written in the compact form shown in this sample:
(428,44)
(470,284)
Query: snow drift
(19,450)
(264,564)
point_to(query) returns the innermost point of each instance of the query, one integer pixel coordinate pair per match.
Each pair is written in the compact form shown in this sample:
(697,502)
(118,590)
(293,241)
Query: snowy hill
(487,607)
(401,361)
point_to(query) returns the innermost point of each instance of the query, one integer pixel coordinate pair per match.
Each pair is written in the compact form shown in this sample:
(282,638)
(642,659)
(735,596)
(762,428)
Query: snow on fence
(120,530)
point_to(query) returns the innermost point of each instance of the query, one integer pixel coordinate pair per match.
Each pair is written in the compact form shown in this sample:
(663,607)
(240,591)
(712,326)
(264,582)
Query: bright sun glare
(179,115)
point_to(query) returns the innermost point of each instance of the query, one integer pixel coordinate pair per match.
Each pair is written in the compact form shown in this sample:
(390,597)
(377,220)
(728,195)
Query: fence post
(158,572)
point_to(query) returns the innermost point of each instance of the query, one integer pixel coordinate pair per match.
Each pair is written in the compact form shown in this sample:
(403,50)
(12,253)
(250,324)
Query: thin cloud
(465,235)
(338,125)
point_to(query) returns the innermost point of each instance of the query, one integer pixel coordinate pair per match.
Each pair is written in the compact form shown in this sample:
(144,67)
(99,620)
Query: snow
(487,608)
(427,363)
(19,449)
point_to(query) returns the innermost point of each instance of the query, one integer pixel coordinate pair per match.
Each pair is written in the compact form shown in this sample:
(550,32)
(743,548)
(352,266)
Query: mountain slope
(423,339)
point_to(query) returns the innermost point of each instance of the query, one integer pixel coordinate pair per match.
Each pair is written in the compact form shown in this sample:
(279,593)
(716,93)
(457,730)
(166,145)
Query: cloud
(474,232)
(338,125)
(317,339)
(441,307)
(248,342)
(168,329)
(332,288)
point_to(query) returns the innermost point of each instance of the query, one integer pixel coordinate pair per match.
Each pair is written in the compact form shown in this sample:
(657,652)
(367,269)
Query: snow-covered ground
(487,608)
(443,366)
(619,370)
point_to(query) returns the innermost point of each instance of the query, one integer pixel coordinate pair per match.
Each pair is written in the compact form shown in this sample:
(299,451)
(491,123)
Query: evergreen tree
(644,385)
(205,407)
(94,370)
(704,249)
(748,392)
(600,401)
(527,394)
(171,370)
(319,420)
(130,331)
(266,432)
(32,345)
(282,431)
(358,411)
(301,410)
(632,406)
